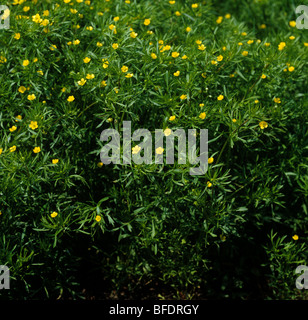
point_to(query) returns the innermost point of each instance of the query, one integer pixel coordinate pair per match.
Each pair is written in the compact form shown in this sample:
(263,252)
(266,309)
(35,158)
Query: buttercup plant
(209,201)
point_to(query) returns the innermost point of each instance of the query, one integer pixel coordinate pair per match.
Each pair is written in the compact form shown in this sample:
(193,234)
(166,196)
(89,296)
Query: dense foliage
(71,226)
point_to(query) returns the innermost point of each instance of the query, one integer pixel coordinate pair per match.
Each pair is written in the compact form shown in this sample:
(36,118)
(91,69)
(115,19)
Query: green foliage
(67,220)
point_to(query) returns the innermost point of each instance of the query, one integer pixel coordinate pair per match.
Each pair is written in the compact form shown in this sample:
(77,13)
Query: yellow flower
(82,82)
(201,47)
(112,27)
(70,98)
(281,46)
(136,149)
(178,13)
(25,63)
(183,97)
(172,2)
(124,69)
(240,43)
(267,44)
(76,42)
(103,83)
(256,101)
(177,73)
(55,161)
(188,29)
(99,44)
(159,150)
(201,105)
(263,76)
(129,75)
(18,118)
(53,47)
(166,48)
(292,23)
(37,18)
(263,26)
(90,28)
(46,13)
(203,74)
(172,118)
(184,57)
(245,53)
(37,150)
(105,63)
(175,54)
(17,36)
(115,46)
(33,125)
(194,5)
(3,59)
(234,120)
(291,37)
(210,160)
(12,149)
(167,132)
(291,69)
(100,164)
(306,44)
(86,60)
(13,128)
(45,22)
(263,124)
(202,115)
(90,76)
(54,214)
(220,97)
(277,100)
(209,184)
(250,41)
(31,97)
(147,22)
(116,19)
(22,89)
(0,154)
(219,20)
(133,34)
(228,16)
(220,58)
(98,218)
(295,237)
(244,33)
(153,56)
